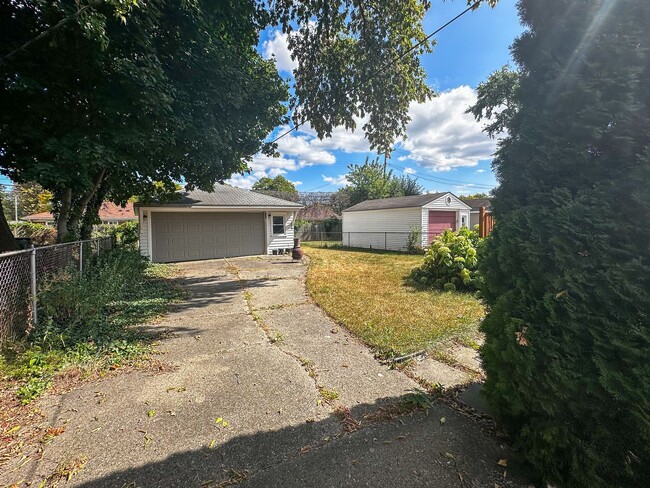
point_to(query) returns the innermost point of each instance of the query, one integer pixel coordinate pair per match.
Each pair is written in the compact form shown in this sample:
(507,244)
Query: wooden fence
(485,222)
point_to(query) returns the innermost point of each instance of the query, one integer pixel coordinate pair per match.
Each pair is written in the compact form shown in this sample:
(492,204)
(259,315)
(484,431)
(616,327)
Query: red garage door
(440,222)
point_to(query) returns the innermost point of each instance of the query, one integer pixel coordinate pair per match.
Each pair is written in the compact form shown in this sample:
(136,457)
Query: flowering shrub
(450,263)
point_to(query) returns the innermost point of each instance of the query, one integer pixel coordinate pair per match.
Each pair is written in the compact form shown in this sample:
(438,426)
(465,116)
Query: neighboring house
(224,223)
(386,223)
(476,204)
(109,213)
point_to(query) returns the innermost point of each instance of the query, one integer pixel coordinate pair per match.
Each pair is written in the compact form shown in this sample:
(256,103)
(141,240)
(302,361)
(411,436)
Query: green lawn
(366,291)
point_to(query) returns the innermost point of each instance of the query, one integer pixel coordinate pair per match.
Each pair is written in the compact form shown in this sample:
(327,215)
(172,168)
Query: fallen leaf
(219,420)
(503,462)
(213,443)
(151,413)
(443,420)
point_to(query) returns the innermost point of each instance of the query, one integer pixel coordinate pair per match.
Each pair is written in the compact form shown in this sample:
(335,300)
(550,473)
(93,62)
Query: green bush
(126,233)
(450,263)
(567,266)
(414,241)
(41,235)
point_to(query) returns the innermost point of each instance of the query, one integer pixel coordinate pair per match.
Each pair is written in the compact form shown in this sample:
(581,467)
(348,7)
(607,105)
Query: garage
(440,221)
(223,223)
(393,223)
(186,236)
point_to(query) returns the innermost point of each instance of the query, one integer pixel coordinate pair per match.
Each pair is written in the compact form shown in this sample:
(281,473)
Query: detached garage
(226,222)
(386,223)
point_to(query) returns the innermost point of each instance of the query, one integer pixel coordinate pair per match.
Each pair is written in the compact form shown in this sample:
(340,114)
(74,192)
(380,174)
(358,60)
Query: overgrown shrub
(450,263)
(41,235)
(76,305)
(87,320)
(126,233)
(414,241)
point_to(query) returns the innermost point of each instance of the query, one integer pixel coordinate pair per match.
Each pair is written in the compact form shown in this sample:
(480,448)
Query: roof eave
(221,207)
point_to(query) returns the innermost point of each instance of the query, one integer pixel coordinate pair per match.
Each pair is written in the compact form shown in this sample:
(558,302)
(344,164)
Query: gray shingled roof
(397,202)
(477,203)
(228,196)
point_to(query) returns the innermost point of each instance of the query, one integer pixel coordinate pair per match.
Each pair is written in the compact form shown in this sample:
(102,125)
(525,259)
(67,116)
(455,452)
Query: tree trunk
(92,211)
(64,213)
(80,207)
(7,240)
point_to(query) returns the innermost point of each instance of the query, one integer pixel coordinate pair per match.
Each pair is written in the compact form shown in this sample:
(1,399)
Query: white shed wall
(372,228)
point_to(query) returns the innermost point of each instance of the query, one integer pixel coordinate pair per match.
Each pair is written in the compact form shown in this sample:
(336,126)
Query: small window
(463,221)
(278,224)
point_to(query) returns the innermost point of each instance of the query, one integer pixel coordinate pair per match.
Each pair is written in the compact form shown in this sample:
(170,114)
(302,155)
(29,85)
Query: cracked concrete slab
(161,430)
(342,363)
(438,373)
(467,357)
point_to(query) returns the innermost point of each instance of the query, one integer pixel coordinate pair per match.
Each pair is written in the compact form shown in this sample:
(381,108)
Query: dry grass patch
(365,291)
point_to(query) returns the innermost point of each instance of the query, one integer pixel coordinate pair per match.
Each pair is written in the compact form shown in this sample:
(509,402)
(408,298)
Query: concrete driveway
(260,388)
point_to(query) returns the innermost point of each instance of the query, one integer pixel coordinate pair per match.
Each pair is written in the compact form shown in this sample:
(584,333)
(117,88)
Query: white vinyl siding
(373,228)
(473,219)
(144,232)
(280,241)
(457,206)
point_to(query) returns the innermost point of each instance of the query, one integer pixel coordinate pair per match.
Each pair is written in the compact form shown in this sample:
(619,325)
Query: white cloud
(305,149)
(441,136)
(296,183)
(408,171)
(242,181)
(480,171)
(340,180)
(277,46)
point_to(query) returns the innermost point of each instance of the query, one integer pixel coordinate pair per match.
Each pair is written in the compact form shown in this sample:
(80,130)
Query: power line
(389,63)
(444,181)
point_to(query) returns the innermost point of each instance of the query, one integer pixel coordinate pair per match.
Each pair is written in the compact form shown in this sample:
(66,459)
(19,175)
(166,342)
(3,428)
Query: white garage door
(187,236)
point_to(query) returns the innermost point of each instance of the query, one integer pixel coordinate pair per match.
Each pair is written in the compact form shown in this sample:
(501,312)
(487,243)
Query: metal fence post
(385,241)
(32,262)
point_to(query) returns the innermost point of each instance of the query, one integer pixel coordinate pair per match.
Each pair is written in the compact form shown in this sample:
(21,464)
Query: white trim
(284,224)
(452,206)
(150,235)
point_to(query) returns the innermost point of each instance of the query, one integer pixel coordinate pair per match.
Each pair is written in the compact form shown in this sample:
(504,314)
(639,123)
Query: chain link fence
(385,241)
(22,273)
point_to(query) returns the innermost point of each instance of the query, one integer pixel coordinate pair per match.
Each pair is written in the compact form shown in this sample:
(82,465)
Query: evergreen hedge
(567,267)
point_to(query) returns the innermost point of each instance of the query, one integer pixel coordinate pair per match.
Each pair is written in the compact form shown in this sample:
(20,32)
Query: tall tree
(177,92)
(370,181)
(567,267)
(277,184)
(32,198)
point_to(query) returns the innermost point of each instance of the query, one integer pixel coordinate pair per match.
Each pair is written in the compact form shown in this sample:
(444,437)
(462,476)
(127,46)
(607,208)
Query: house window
(463,221)
(278,224)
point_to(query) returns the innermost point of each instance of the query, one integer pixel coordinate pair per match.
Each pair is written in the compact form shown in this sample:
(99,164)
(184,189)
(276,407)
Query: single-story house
(386,223)
(109,213)
(476,204)
(223,223)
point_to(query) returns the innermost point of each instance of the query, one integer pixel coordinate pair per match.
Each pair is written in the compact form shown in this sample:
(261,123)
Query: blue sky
(445,149)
